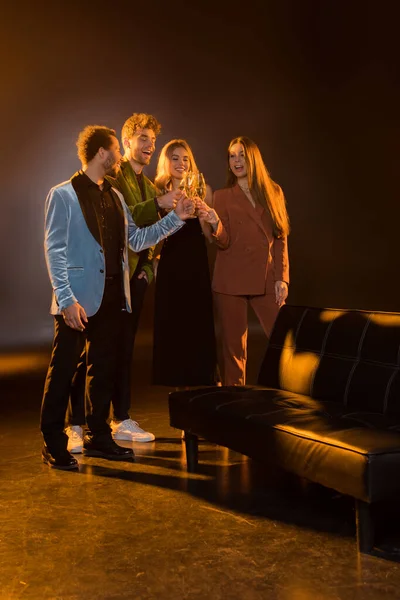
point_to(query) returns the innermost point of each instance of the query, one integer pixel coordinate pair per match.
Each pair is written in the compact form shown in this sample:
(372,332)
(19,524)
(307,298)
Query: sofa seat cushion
(356,453)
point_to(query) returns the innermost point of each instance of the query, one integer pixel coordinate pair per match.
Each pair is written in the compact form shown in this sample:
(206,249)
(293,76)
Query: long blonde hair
(263,189)
(163,178)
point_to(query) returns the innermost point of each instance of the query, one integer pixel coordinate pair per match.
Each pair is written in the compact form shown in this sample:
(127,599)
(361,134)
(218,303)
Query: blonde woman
(250,225)
(184,352)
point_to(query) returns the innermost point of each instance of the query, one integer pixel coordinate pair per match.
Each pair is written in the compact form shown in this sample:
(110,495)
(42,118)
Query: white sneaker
(75,439)
(129,430)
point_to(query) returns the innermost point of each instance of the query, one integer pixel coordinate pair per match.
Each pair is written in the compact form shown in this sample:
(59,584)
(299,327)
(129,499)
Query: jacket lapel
(87,209)
(257,213)
(128,184)
(89,212)
(149,188)
(121,215)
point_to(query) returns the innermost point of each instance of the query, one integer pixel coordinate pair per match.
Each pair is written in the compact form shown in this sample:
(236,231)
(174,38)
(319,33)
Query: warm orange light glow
(245,475)
(296,369)
(327,316)
(385,320)
(14,364)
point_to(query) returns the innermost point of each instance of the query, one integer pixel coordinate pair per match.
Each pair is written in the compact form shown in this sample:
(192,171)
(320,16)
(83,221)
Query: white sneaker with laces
(129,430)
(75,439)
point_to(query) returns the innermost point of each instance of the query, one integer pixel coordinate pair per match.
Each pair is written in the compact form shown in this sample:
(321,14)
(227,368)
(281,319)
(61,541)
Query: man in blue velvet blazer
(88,228)
(138,136)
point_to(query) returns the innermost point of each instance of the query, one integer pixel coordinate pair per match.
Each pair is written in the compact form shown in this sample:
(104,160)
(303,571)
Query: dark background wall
(314,83)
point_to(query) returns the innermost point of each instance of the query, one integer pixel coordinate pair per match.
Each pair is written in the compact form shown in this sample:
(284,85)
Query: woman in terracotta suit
(250,225)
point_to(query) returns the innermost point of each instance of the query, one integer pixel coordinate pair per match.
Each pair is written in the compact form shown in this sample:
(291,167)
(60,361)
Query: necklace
(247,191)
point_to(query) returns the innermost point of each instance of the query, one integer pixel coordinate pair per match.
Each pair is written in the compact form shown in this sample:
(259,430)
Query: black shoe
(109,450)
(62,460)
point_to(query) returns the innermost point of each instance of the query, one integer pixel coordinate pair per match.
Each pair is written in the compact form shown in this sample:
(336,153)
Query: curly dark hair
(140,121)
(91,139)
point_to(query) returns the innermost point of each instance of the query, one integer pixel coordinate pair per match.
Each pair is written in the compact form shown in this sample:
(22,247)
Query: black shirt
(104,216)
(139,177)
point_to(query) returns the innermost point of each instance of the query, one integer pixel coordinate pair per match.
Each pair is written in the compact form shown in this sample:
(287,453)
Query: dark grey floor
(149,530)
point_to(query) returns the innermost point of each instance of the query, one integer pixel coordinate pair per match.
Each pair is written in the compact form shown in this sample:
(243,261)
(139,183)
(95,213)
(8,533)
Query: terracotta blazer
(249,258)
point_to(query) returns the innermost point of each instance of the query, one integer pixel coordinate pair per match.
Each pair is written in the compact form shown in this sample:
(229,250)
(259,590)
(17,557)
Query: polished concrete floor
(149,530)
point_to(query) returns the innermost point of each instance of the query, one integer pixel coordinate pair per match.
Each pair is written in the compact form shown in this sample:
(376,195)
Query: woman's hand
(207,214)
(281,292)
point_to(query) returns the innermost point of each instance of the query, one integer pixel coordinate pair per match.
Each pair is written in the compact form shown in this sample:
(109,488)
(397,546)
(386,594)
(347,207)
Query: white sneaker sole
(133,438)
(76,450)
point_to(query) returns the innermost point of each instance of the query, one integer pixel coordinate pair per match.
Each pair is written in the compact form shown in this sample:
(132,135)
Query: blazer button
(101,250)
(101,271)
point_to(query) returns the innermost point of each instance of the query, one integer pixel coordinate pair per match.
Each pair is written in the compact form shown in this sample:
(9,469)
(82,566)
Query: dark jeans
(100,341)
(121,397)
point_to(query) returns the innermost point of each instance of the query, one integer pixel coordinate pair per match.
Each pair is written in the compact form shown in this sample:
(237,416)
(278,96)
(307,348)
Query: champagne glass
(200,189)
(182,183)
(187,185)
(190,184)
(200,186)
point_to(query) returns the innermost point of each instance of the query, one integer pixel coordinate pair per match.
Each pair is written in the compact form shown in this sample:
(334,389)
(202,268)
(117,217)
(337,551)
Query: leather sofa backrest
(346,356)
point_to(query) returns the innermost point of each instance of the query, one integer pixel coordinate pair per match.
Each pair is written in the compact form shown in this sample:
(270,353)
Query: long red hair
(263,189)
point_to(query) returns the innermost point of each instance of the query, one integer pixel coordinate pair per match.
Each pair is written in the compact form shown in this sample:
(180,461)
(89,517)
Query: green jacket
(143,212)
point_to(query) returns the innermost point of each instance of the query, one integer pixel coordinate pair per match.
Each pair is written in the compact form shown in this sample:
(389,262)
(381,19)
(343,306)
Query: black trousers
(121,397)
(100,342)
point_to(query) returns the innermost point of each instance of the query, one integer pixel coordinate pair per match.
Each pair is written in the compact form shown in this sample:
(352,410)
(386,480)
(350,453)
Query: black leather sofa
(326,407)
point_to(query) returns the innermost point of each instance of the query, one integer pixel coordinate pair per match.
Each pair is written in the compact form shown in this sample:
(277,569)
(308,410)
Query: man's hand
(185,208)
(75,316)
(281,292)
(143,275)
(207,214)
(169,201)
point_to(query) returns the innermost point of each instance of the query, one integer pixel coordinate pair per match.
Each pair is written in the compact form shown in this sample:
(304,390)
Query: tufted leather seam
(231,402)
(305,311)
(304,437)
(345,311)
(358,420)
(322,353)
(298,327)
(394,428)
(276,397)
(357,362)
(202,395)
(389,385)
(222,389)
(271,412)
(341,356)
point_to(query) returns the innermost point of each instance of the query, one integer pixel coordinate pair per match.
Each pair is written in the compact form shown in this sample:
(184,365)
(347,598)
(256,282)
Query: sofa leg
(365,527)
(192,451)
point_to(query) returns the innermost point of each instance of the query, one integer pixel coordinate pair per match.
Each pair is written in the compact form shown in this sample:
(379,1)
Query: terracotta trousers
(232,314)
